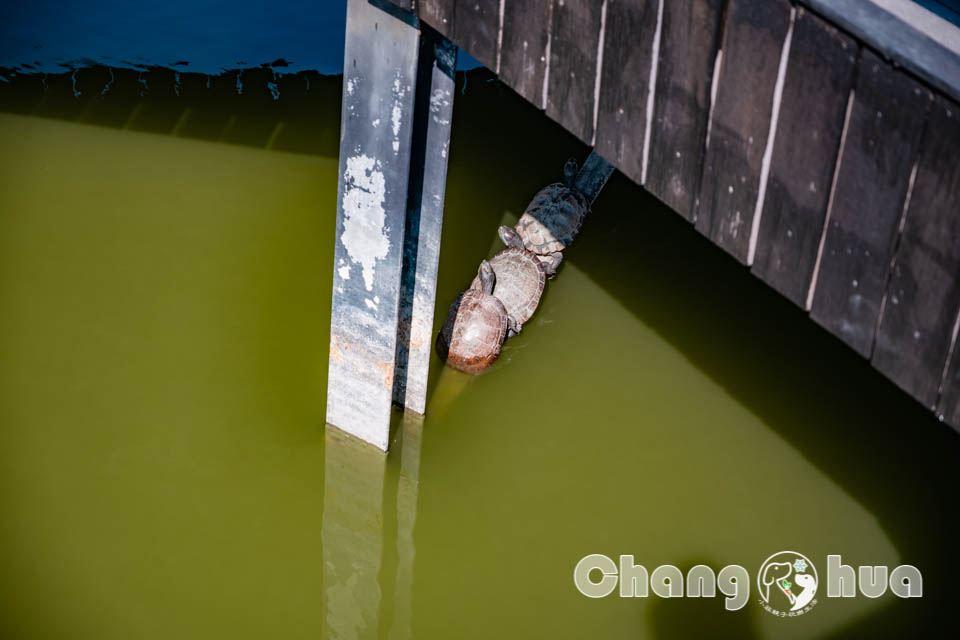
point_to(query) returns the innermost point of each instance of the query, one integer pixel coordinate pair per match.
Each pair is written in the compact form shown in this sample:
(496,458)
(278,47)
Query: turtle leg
(551,263)
(513,328)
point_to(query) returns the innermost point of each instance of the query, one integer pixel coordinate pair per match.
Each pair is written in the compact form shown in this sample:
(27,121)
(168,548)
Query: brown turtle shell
(521,278)
(552,219)
(473,332)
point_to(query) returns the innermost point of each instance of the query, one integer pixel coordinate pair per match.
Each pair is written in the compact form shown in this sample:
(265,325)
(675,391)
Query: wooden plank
(821,65)
(523,52)
(380,68)
(689,40)
(433,117)
(730,186)
(880,147)
(922,298)
(477,29)
(439,14)
(904,32)
(571,79)
(629,30)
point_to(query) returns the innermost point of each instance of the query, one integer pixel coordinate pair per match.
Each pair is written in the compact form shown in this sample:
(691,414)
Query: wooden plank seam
(771,137)
(833,187)
(651,92)
(896,247)
(597,75)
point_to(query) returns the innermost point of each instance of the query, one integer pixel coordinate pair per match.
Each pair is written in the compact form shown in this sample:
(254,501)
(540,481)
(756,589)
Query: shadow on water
(255,107)
(698,617)
(891,455)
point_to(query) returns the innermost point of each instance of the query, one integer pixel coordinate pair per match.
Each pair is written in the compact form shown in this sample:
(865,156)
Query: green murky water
(164,469)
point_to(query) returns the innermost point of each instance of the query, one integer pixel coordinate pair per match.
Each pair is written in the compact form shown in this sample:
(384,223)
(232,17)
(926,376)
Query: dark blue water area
(204,36)
(947,9)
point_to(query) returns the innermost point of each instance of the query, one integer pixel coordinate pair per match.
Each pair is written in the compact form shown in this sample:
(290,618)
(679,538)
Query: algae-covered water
(164,467)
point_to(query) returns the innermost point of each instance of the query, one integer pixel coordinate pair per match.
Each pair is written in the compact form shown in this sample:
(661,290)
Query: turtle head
(570,170)
(510,237)
(488,278)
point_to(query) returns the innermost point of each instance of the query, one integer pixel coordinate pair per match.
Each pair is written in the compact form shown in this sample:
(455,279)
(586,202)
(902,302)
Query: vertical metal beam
(380,66)
(433,113)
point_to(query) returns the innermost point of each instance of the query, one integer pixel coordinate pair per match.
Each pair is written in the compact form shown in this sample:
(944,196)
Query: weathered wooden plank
(629,30)
(689,41)
(571,76)
(753,46)
(379,78)
(433,115)
(477,29)
(922,298)
(812,112)
(439,14)
(525,46)
(879,149)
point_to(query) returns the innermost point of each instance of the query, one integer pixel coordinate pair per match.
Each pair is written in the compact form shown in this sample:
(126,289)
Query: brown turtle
(520,278)
(554,216)
(476,326)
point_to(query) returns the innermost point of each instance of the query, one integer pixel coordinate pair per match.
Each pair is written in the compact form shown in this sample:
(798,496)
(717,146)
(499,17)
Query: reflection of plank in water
(407,489)
(352,535)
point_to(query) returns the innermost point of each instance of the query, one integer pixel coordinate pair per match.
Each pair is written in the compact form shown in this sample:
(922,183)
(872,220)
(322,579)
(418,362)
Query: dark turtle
(520,278)
(476,326)
(554,216)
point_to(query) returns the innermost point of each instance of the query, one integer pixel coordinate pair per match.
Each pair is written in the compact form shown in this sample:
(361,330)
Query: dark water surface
(164,468)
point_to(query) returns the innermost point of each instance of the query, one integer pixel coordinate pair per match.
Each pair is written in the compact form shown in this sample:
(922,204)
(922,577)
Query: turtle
(553,218)
(520,278)
(476,326)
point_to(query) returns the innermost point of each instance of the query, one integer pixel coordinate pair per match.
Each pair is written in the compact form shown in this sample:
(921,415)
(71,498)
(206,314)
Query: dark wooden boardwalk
(816,142)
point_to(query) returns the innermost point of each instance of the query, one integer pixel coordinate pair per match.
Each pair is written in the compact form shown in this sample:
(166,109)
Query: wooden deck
(816,142)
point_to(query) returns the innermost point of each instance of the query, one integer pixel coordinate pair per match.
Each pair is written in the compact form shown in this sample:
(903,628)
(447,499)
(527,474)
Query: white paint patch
(833,189)
(439,100)
(396,114)
(376,123)
(771,137)
(344,272)
(370,304)
(596,80)
(364,236)
(351,86)
(651,94)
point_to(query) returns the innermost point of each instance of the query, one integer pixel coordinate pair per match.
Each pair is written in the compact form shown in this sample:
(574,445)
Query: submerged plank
(880,147)
(753,45)
(574,40)
(630,27)
(689,41)
(923,296)
(477,29)
(525,47)
(812,112)
(433,116)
